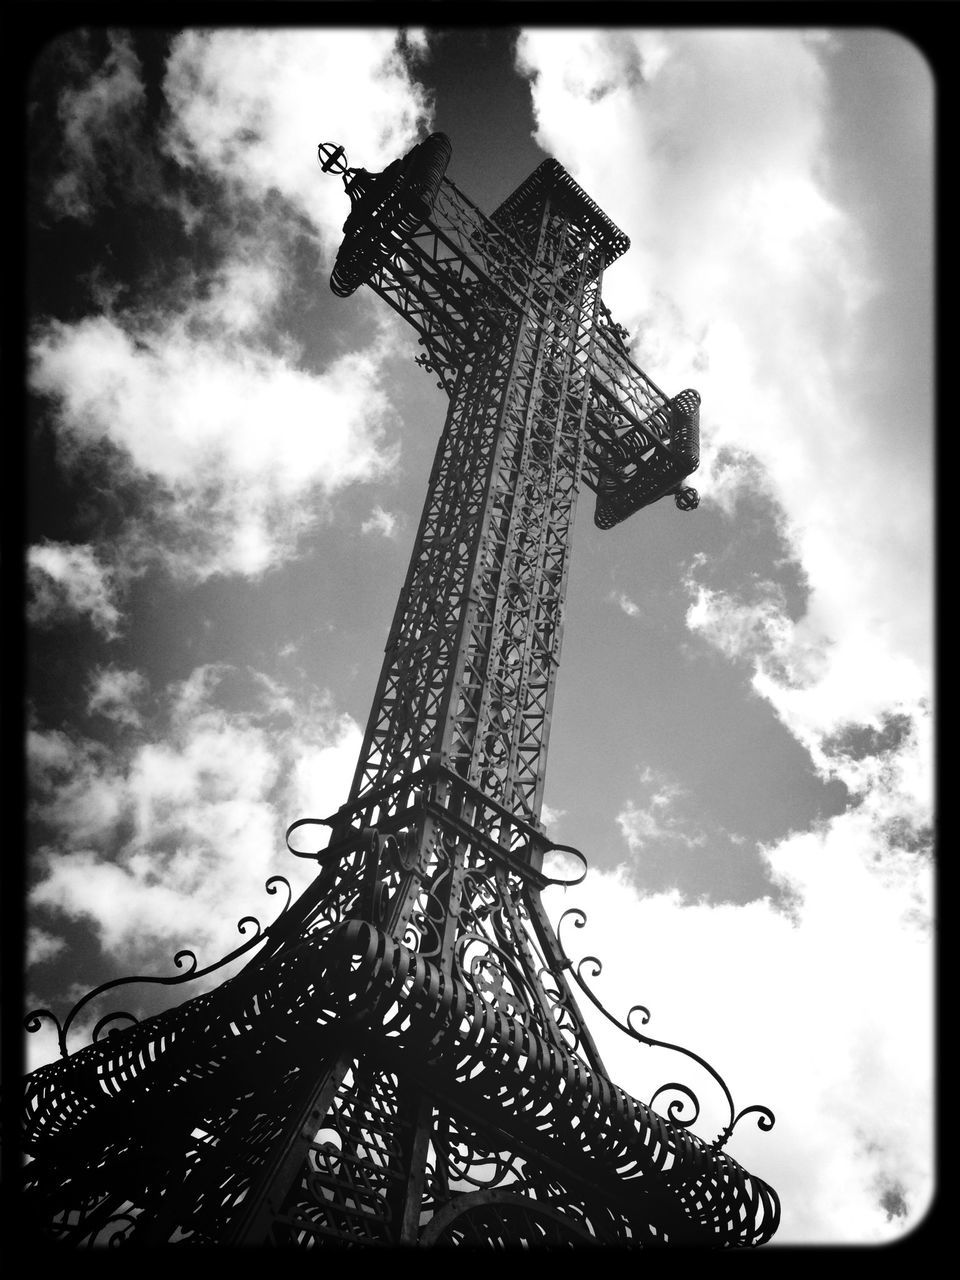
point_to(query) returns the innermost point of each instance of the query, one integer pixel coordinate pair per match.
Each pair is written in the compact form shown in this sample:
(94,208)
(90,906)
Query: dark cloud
(102,141)
(858,742)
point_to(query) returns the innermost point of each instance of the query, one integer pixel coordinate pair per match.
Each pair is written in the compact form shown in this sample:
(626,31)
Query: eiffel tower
(402,1059)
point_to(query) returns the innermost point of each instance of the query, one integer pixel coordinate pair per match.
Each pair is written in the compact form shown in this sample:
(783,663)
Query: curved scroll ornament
(316,854)
(551,847)
(491,1218)
(34,1018)
(686,1098)
(424,360)
(495,977)
(471,1161)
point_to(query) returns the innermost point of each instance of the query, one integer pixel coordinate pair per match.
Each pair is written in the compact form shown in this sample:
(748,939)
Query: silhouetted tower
(402,1060)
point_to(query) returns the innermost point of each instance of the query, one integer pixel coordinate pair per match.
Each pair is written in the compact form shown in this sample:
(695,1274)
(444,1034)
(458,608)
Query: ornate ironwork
(675,1109)
(402,1058)
(35,1018)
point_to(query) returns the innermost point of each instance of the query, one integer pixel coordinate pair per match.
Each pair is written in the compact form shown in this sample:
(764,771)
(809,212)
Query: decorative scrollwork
(491,972)
(468,1158)
(424,929)
(564,1012)
(32,1021)
(566,848)
(111,1017)
(305,822)
(687,1098)
(676,1106)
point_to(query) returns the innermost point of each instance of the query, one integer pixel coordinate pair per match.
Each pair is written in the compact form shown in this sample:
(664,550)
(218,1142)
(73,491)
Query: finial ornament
(332,157)
(687,499)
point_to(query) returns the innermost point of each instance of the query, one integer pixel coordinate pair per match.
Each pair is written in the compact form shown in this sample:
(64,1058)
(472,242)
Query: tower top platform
(551,178)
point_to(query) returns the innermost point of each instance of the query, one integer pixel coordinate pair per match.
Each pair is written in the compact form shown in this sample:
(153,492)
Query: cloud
(42,946)
(216,430)
(549,815)
(629,607)
(324,771)
(676,845)
(250,108)
(746,267)
(102,119)
(822,686)
(678,839)
(657,820)
(113,694)
(380,521)
(68,581)
(183,406)
(167,839)
(758,629)
(75,785)
(244,107)
(752,278)
(738,984)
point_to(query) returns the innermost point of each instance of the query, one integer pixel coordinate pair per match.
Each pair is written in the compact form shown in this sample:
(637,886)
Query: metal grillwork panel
(348,1185)
(443,867)
(365,1045)
(402,1060)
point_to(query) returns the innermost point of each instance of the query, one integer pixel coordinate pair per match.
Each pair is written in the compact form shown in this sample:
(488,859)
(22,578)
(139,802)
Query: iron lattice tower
(402,1059)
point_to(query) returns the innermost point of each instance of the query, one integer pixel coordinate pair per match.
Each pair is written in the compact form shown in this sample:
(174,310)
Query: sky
(226,466)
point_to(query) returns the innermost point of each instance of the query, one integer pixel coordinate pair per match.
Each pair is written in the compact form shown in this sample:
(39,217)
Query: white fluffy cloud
(195,387)
(167,839)
(251,108)
(68,581)
(814,1014)
(236,441)
(750,279)
(746,267)
(381,522)
(113,694)
(42,946)
(659,819)
(747,277)
(629,607)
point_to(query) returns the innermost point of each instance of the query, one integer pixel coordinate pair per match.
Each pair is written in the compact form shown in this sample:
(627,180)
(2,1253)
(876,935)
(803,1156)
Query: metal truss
(402,1060)
(542,394)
